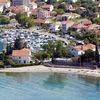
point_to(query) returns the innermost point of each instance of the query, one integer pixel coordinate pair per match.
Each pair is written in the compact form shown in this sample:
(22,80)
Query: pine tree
(20,43)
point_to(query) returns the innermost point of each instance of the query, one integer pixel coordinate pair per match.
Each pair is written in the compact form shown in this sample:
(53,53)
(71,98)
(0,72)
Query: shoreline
(42,68)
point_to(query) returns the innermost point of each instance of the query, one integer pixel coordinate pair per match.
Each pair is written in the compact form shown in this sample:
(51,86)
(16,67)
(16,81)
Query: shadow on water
(20,77)
(55,80)
(90,80)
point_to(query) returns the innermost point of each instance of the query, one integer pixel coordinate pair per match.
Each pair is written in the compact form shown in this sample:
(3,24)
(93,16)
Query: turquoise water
(48,86)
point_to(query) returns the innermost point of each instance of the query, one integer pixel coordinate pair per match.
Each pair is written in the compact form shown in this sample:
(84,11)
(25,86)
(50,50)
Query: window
(24,61)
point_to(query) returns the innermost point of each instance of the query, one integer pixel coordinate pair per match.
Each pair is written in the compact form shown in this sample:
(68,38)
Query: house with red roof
(41,22)
(81,25)
(21,56)
(48,7)
(55,26)
(78,27)
(43,14)
(98,33)
(80,49)
(67,16)
(4,3)
(66,24)
(93,27)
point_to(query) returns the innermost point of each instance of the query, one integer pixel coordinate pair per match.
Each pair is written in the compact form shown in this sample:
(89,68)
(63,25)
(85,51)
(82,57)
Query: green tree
(41,55)
(88,56)
(87,36)
(90,36)
(62,6)
(55,49)
(19,44)
(60,11)
(24,20)
(96,20)
(51,1)
(4,20)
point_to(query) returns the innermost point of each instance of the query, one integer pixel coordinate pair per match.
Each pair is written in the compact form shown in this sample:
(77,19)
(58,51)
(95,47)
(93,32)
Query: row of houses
(24,55)
(29,3)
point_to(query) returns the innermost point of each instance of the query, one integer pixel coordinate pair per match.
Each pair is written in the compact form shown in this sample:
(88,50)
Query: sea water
(48,86)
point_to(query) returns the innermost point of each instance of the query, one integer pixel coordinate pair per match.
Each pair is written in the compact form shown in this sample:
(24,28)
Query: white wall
(73,1)
(2,5)
(54,27)
(27,59)
(75,52)
(32,6)
(1,9)
(51,8)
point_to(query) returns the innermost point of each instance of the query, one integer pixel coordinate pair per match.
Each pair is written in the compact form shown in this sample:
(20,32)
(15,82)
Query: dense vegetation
(55,49)
(87,36)
(4,20)
(24,20)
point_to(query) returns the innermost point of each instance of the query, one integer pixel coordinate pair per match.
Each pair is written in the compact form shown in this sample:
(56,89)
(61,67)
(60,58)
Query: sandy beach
(42,68)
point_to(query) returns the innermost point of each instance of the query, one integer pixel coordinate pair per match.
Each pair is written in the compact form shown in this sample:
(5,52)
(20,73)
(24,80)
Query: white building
(21,56)
(48,7)
(32,5)
(71,15)
(66,24)
(4,3)
(43,13)
(80,49)
(55,26)
(73,1)
(20,2)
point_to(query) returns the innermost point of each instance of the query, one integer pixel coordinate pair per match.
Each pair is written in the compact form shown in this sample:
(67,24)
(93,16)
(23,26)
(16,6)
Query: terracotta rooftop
(23,52)
(84,47)
(4,1)
(13,8)
(98,32)
(40,21)
(68,22)
(94,26)
(79,26)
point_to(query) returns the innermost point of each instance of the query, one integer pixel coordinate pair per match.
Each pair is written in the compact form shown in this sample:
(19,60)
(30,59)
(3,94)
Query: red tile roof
(87,22)
(98,32)
(3,1)
(94,26)
(67,22)
(13,8)
(19,53)
(79,26)
(85,47)
(39,21)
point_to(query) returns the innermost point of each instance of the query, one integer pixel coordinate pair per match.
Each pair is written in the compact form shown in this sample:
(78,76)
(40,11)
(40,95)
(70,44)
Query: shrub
(45,55)
(22,65)
(13,64)
(75,59)
(37,56)
(41,55)
(4,20)
(1,66)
